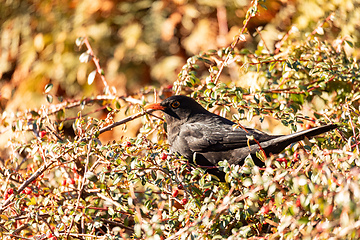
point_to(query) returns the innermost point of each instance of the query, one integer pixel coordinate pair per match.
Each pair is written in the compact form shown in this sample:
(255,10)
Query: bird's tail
(277,144)
(313,131)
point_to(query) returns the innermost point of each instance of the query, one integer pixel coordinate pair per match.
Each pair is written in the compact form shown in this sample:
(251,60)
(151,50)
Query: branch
(123,121)
(26,183)
(233,45)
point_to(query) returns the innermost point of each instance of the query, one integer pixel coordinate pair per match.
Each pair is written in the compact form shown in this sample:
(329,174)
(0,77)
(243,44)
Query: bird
(197,134)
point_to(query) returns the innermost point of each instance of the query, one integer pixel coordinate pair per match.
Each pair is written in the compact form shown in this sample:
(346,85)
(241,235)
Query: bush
(76,186)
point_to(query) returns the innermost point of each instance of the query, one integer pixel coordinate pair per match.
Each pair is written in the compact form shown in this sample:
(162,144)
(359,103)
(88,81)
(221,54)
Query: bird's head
(179,107)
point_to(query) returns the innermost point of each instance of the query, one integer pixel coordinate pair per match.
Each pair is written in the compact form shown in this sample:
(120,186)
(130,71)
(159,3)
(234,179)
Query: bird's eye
(175,104)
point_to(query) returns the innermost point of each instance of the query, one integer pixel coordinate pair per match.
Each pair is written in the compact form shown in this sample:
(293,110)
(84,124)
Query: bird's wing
(215,135)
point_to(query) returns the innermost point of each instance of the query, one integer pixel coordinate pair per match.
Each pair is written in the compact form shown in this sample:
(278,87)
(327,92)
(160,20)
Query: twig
(81,188)
(321,25)
(19,229)
(260,148)
(102,196)
(17,236)
(123,121)
(96,61)
(35,175)
(285,37)
(232,46)
(259,32)
(72,104)
(116,223)
(54,133)
(353,129)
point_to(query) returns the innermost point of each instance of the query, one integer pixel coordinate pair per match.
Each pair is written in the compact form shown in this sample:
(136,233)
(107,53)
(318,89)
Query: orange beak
(155,106)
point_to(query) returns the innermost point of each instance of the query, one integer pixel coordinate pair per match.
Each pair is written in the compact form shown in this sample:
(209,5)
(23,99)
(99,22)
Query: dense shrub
(69,184)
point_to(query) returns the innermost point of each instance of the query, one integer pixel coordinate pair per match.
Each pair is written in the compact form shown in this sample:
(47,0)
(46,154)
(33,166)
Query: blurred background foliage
(139,43)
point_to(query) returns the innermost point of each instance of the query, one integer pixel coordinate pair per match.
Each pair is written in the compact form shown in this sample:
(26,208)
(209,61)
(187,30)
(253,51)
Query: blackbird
(196,133)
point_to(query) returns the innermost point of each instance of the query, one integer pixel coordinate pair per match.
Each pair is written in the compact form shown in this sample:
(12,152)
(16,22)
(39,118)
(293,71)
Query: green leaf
(349,43)
(272,65)
(117,105)
(211,85)
(137,230)
(85,57)
(317,115)
(307,148)
(299,98)
(78,218)
(111,211)
(48,87)
(250,114)
(49,98)
(267,98)
(263,6)
(60,210)
(91,77)
(284,122)
(91,176)
(303,220)
(79,41)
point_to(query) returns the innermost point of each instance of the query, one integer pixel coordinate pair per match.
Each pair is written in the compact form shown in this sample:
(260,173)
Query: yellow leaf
(4,217)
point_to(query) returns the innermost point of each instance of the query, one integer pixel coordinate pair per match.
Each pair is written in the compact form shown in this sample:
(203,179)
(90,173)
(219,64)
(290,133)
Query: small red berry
(320,227)
(71,181)
(63,182)
(296,156)
(180,186)
(328,210)
(175,192)
(6,196)
(42,134)
(163,156)
(264,209)
(281,160)
(10,191)
(298,202)
(128,144)
(184,201)
(49,235)
(27,190)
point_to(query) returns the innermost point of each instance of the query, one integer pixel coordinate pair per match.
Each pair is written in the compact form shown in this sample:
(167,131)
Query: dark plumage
(192,129)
